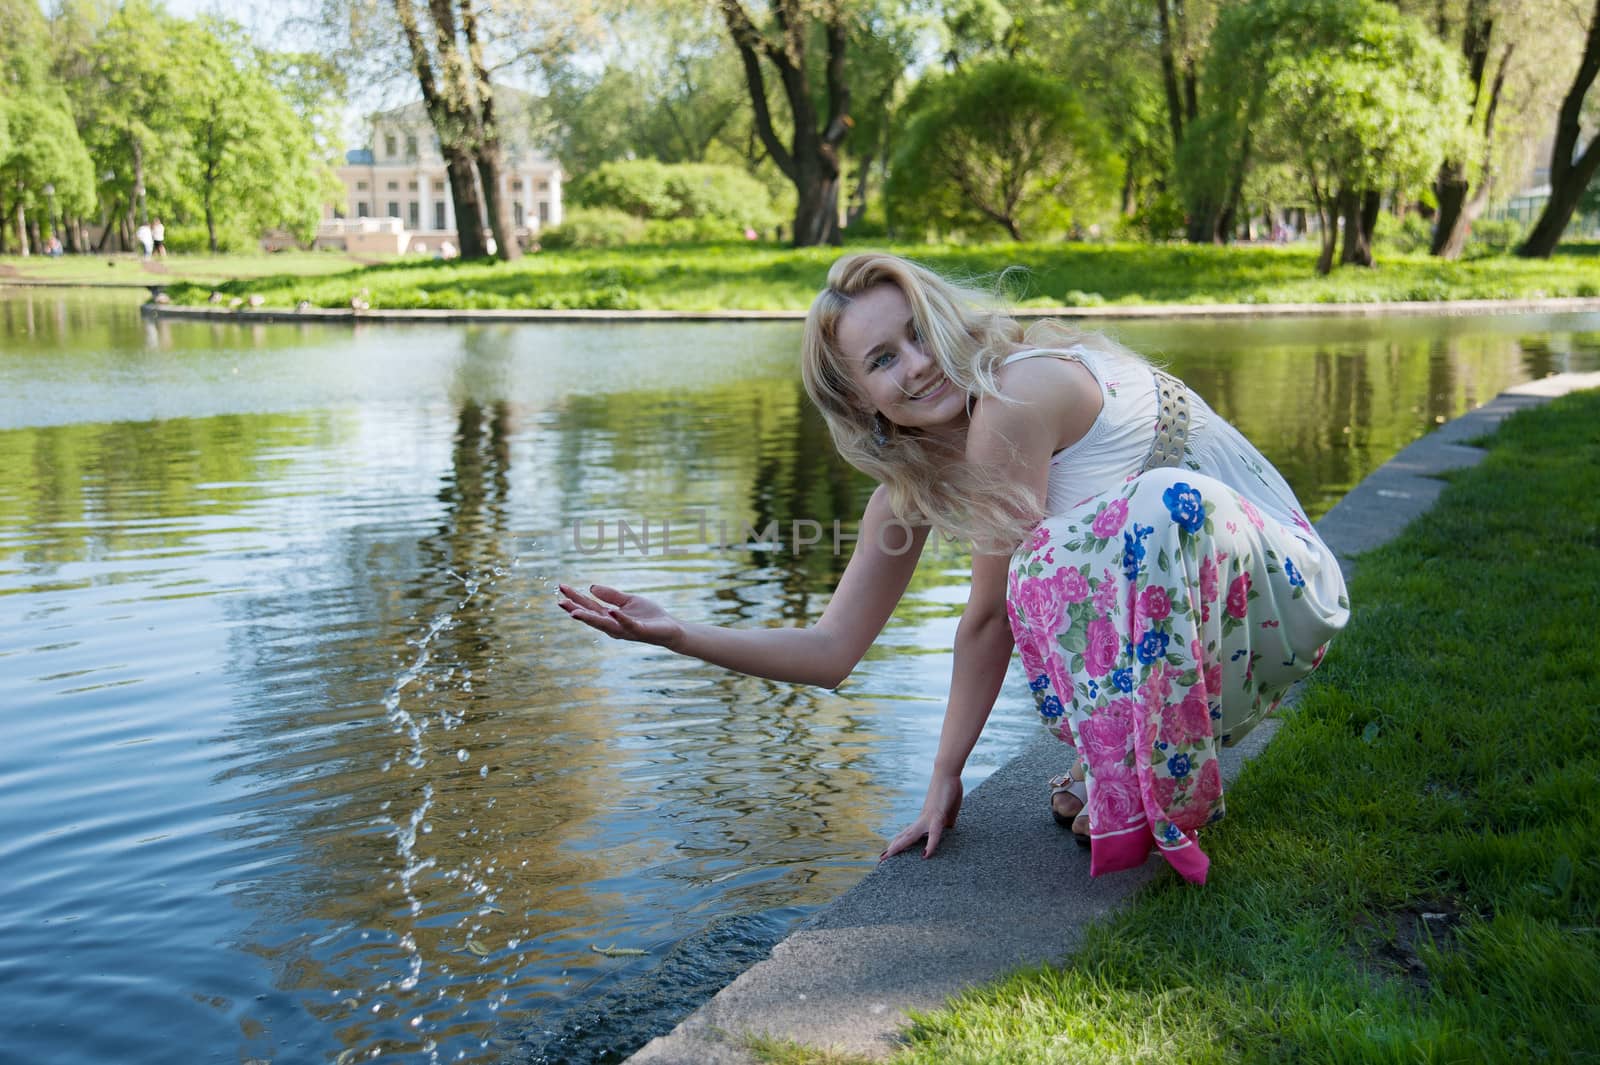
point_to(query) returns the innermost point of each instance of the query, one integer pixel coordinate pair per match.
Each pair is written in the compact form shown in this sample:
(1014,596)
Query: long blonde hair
(969,334)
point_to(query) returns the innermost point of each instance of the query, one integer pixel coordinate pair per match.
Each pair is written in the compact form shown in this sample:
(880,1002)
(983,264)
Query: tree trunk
(495,206)
(491,157)
(1451,223)
(1357,238)
(811,160)
(1570,173)
(816,214)
(1553,220)
(1328,221)
(211,225)
(468,208)
(22,227)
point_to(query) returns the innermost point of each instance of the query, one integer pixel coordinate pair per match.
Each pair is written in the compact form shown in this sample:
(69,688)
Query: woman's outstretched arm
(824,654)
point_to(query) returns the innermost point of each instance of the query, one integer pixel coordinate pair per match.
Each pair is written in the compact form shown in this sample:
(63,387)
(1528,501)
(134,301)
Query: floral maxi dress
(1161,614)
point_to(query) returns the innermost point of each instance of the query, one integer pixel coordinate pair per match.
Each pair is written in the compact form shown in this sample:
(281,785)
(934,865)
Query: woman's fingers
(614,596)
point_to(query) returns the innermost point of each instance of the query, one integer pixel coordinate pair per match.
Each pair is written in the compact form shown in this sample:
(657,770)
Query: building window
(411,147)
(412,186)
(438,186)
(394,186)
(516,186)
(394,209)
(438,214)
(544,186)
(414,214)
(361,209)
(517,213)
(544,212)
(388,145)
(361,186)
(338,212)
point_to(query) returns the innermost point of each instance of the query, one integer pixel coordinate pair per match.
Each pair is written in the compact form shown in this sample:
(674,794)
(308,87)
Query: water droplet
(462,755)
(484,772)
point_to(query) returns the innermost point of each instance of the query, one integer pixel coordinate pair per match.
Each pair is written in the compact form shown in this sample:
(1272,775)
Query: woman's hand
(939,812)
(620,615)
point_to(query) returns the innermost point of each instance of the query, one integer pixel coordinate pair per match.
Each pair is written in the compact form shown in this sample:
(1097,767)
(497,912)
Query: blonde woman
(1156,574)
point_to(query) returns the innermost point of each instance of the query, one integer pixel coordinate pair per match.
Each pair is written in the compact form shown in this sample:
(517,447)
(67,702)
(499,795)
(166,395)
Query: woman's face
(883,354)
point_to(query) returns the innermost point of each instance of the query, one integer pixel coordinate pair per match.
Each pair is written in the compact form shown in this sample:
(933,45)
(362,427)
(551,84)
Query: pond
(303,763)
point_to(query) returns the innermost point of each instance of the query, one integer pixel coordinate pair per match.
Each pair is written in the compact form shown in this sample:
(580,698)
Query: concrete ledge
(1441,308)
(1008,888)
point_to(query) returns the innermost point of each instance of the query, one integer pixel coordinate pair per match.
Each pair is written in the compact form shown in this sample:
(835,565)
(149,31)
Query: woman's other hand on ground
(620,615)
(939,812)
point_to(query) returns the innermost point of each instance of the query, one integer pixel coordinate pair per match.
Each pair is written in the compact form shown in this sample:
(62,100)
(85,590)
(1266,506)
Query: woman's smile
(931,392)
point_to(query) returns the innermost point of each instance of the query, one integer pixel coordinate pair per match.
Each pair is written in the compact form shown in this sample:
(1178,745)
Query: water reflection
(302,759)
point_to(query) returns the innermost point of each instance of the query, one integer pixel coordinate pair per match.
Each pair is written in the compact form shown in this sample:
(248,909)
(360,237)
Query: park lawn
(126,268)
(1443,762)
(770,277)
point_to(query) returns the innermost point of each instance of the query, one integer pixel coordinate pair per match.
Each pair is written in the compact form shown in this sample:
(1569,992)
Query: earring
(880,433)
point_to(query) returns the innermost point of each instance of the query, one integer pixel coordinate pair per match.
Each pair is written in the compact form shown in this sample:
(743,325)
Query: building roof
(358,157)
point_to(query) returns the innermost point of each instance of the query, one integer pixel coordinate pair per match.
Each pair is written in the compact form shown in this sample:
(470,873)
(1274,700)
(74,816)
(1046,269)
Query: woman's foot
(1067,800)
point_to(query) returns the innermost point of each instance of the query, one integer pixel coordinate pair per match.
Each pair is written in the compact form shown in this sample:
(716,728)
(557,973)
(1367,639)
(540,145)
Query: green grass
(763,277)
(128,269)
(1444,761)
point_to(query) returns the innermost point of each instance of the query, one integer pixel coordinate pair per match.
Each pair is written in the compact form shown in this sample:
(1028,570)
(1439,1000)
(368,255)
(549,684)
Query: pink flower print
(1109,521)
(1105,734)
(1115,798)
(1101,653)
(1193,717)
(1251,514)
(1214,679)
(1154,604)
(1300,520)
(1105,596)
(1163,790)
(1208,580)
(1239,595)
(1040,537)
(1156,688)
(1316,659)
(1208,789)
(1039,599)
(1074,585)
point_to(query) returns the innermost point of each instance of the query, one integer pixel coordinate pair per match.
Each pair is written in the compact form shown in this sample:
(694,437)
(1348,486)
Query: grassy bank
(130,269)
(763,277)
(1411,871)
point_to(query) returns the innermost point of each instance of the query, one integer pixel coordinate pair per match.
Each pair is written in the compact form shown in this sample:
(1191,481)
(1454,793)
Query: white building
(397,192)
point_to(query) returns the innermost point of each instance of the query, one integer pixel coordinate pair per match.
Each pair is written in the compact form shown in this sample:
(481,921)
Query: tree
(811,160)
(1461,191)
(1570,172)
(255,162)
(43,163)
(1356,97)
(1001,143)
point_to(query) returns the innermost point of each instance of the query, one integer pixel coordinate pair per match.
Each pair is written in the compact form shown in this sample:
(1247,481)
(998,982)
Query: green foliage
(40,148)
(1411,235)
(998,144)
(1496,235)
(593,227)
(1351,94)
(741,275)
(647,189)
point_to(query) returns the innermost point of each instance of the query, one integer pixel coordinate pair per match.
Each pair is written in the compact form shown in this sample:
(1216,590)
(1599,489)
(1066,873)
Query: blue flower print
(1152,646)
(1122,679)
(1051,707)
(1133,549)
(1185,505)
(1039,683)
(1178,766)
(1171,833)
(1295,580)
(1094,689)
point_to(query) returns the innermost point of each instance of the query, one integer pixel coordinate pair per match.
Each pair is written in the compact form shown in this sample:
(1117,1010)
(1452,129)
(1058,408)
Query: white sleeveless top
(1116,446)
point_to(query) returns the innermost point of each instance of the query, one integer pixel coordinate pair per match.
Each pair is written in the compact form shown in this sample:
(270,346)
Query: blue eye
(880,360)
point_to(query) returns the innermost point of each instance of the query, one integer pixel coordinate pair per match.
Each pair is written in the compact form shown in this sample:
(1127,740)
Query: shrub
(1412,235)
(594,227)
(647,189)
(193,240)
(1497,235)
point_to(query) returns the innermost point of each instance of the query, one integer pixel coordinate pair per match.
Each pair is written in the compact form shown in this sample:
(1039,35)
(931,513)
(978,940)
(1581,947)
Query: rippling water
(302,762)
